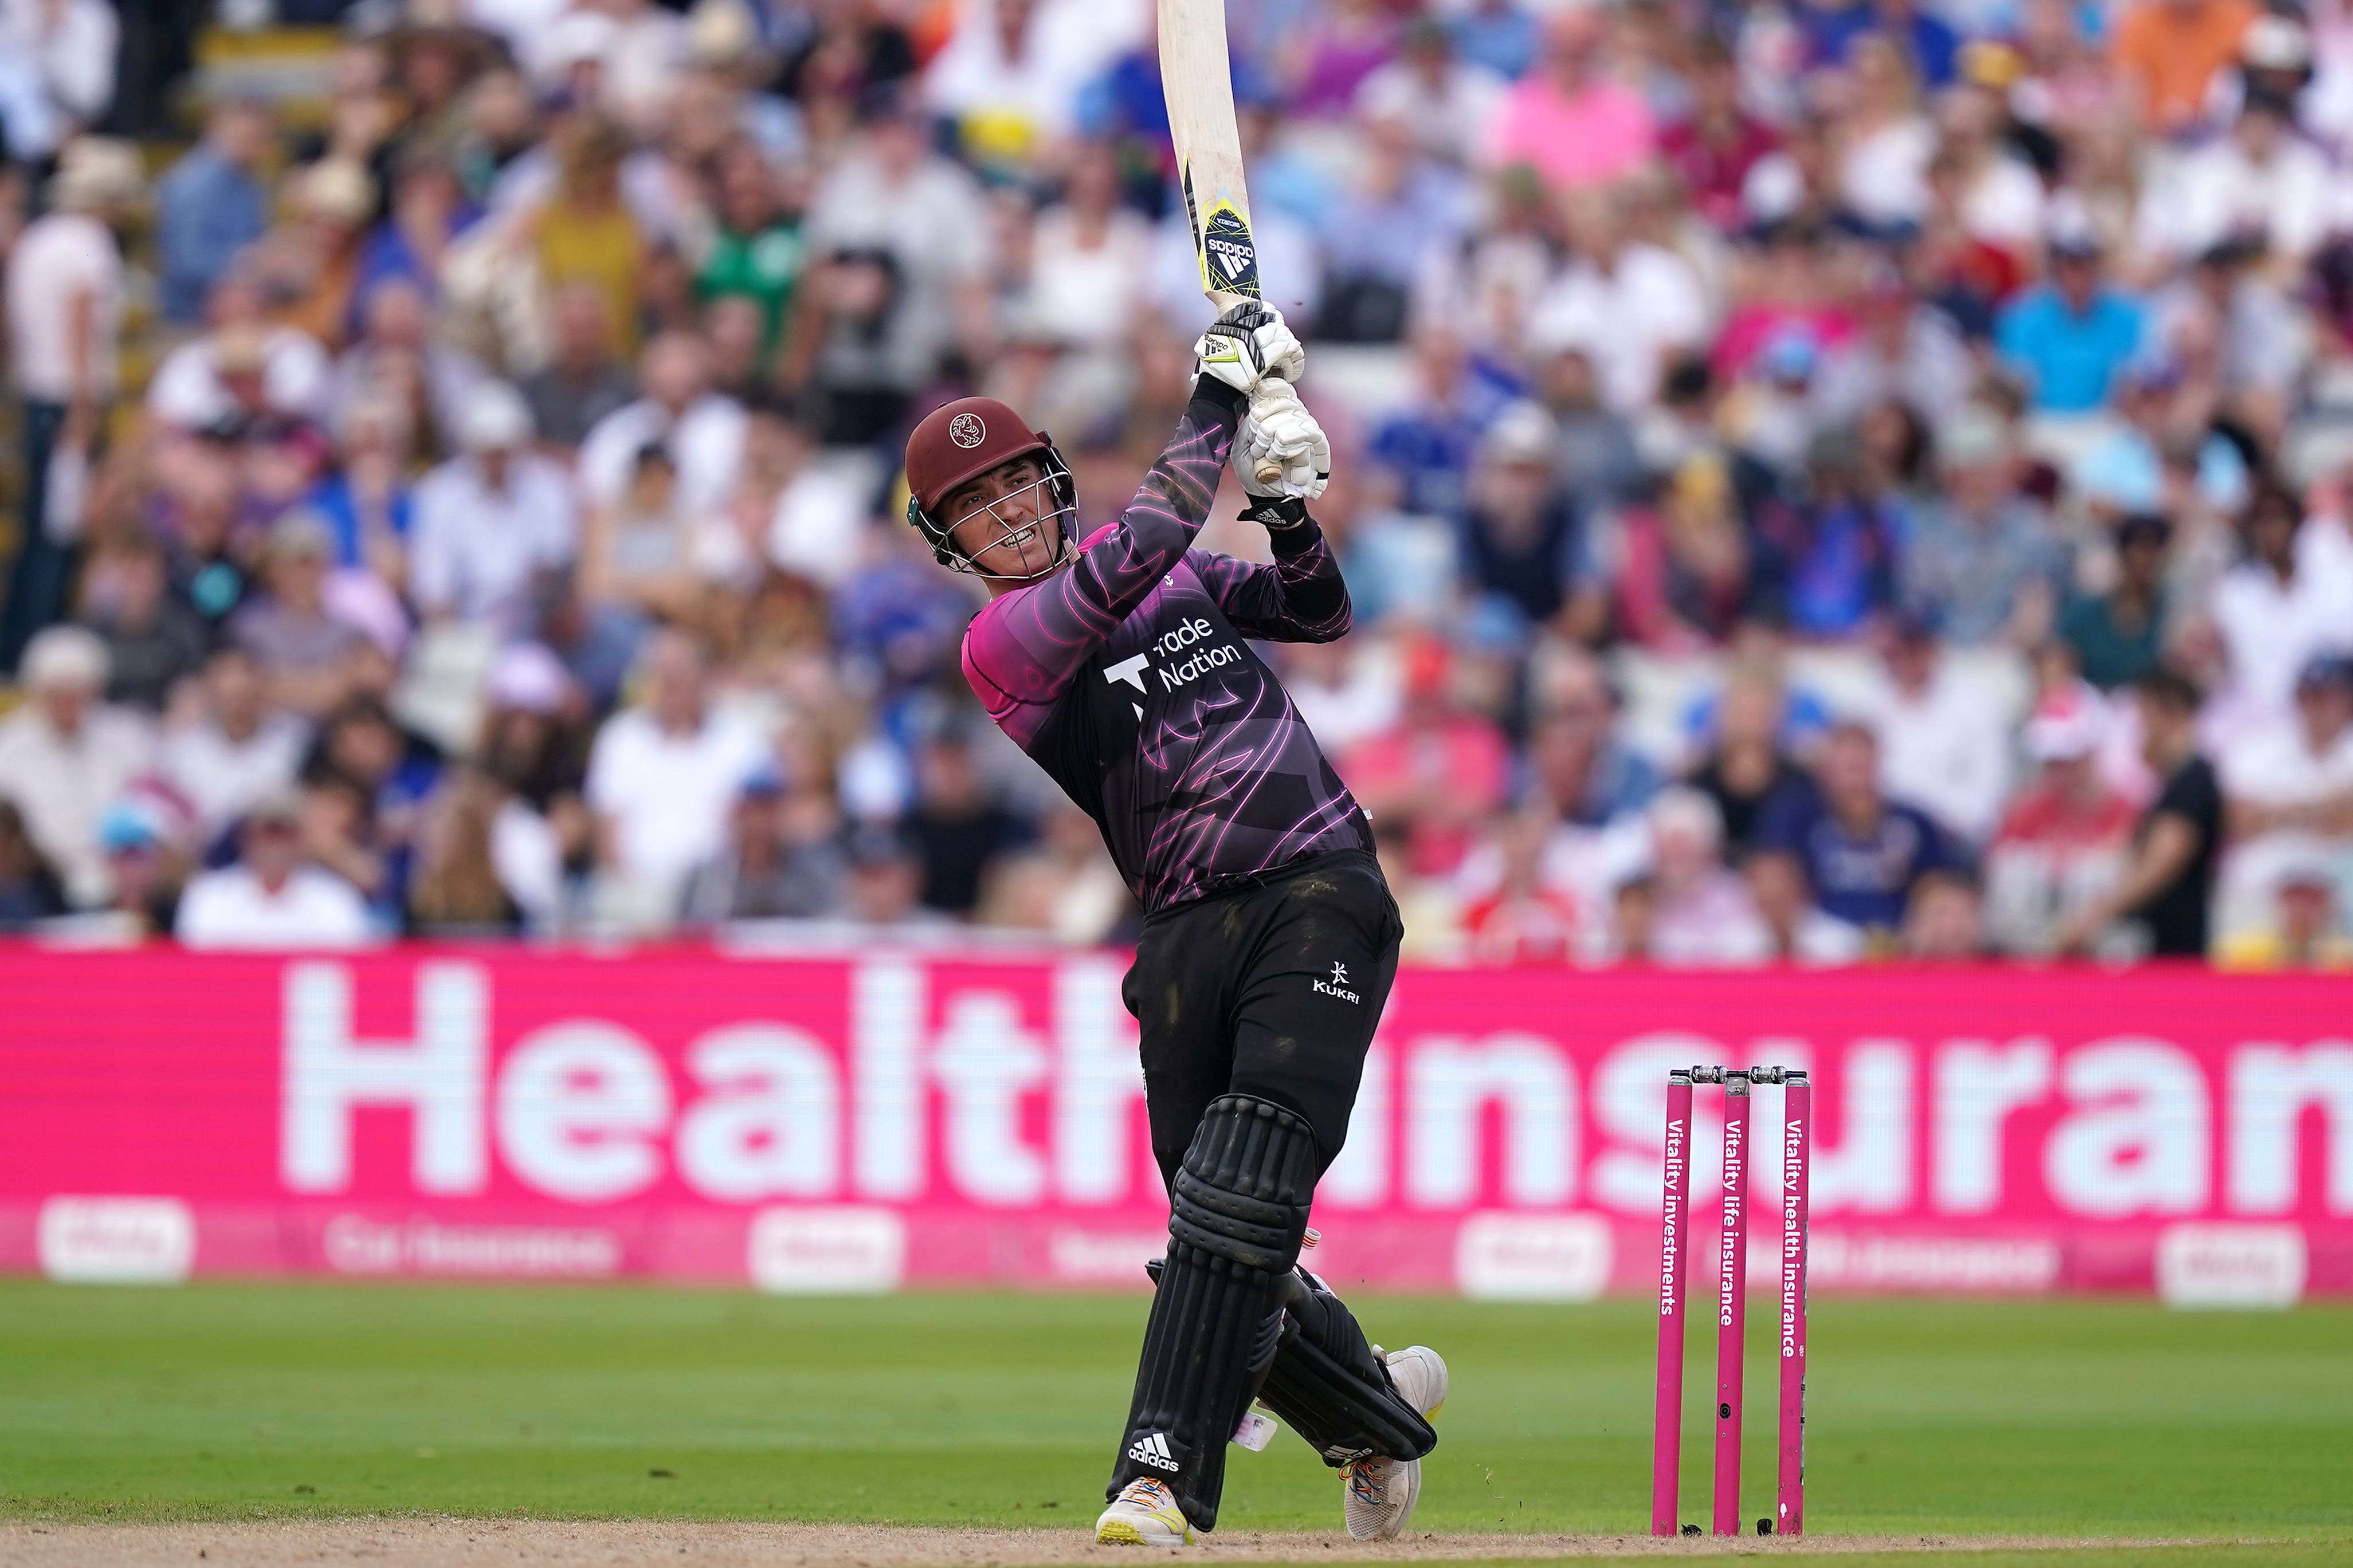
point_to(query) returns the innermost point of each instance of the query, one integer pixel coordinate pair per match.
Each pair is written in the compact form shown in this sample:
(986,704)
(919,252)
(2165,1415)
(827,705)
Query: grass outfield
(2062,1418)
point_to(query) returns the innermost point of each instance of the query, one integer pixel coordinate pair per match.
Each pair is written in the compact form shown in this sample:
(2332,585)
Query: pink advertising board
(873,1120)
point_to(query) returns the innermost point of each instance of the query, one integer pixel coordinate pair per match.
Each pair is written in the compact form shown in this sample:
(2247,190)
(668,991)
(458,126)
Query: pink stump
(1674,1240)
(1732,1293)
(1797,1182)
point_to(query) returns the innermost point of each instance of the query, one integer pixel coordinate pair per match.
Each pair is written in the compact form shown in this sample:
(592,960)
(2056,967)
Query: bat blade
(1197,81)
(1197,78)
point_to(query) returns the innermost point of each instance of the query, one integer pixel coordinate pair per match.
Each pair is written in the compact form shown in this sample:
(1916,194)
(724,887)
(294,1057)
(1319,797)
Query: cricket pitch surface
(560,1543)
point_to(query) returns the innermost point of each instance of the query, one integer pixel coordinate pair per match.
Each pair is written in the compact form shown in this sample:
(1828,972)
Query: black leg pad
(1328,1386)
(1238,1216)
(1323,1381)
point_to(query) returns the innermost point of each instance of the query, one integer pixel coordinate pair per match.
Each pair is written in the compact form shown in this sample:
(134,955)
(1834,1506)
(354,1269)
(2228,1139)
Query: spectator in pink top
(1441,770)
(1572,121)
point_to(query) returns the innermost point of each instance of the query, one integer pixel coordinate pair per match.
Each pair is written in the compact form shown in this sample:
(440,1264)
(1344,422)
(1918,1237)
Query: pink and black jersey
(1126,678)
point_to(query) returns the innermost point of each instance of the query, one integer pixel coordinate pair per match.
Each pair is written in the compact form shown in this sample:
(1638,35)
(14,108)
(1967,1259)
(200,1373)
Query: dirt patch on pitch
(624,1544)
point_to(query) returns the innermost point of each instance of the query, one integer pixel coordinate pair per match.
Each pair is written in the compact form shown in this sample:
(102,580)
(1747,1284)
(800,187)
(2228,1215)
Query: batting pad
(1238,1216)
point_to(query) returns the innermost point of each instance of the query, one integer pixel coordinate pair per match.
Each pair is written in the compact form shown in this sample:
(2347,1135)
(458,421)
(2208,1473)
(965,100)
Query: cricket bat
(1198,80)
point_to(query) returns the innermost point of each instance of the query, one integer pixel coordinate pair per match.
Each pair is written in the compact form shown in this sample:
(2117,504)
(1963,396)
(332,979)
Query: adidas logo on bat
(1152,1448)
(1233,259)
(1228,239)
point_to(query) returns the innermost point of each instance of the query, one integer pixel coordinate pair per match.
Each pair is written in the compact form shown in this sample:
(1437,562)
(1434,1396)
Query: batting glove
(1278,429)
(1249,345)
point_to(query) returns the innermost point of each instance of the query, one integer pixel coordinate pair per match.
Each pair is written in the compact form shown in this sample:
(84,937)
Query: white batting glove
(1277,429)
(1249,345)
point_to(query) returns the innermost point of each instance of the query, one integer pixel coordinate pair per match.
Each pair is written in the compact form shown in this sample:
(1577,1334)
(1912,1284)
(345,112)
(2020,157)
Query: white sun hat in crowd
(2068,725)
(95,173)
(526,676)
(64,659)
(496,419)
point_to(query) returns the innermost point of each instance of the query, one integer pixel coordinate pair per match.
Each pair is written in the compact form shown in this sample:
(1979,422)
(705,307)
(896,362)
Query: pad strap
(1328,1386)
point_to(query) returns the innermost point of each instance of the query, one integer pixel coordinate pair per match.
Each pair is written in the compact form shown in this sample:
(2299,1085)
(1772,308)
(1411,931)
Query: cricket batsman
(1270,938)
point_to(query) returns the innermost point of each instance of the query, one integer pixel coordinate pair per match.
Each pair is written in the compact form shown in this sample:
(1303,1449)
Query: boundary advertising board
(864,1122)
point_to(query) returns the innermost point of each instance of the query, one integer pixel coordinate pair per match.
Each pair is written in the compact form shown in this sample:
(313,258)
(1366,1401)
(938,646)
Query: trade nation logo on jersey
(1130,670)
(1192,630)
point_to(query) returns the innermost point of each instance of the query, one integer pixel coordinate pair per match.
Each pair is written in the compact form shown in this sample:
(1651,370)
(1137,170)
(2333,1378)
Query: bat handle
(1269,470)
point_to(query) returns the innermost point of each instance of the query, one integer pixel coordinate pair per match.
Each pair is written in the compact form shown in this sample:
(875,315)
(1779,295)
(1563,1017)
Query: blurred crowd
(1818,482)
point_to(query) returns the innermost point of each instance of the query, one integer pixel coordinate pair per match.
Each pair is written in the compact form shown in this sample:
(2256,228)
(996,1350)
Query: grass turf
(230,1401)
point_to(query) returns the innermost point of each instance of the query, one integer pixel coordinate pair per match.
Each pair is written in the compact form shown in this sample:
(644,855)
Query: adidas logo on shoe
(1152,1448)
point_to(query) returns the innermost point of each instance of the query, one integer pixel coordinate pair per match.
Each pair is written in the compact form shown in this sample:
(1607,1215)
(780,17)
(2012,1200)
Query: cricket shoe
(1144,1514)
(1376,1494)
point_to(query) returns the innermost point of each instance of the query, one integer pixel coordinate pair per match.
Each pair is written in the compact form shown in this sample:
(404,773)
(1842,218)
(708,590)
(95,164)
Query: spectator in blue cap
(146,866)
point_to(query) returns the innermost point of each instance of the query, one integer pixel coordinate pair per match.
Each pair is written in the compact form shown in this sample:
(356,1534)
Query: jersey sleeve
(1022,651)
(1300,598)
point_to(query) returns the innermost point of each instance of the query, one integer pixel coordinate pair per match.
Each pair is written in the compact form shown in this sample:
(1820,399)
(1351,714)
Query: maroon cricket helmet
(958,442)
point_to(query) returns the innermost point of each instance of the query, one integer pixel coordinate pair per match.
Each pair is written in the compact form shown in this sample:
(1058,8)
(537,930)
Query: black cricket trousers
(1270,988)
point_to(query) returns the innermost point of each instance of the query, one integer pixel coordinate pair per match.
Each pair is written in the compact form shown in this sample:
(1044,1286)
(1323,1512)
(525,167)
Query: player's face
(1006,522)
